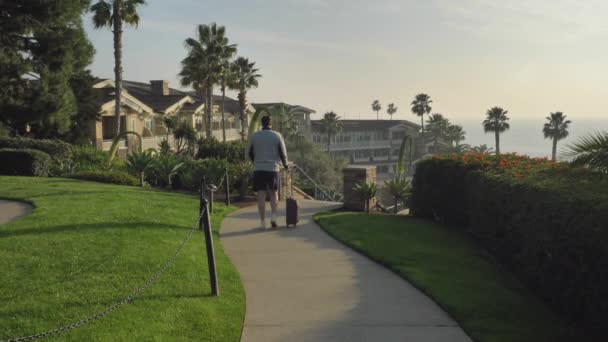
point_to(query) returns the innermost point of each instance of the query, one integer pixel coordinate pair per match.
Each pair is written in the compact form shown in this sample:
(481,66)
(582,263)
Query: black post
(205,226)
(227,188)
(210,201)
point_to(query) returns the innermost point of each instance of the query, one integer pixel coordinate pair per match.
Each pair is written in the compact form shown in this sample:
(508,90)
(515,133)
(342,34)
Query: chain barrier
(117,305)
(217,188)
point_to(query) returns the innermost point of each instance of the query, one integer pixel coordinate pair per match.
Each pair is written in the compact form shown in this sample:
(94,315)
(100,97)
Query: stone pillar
(354,175)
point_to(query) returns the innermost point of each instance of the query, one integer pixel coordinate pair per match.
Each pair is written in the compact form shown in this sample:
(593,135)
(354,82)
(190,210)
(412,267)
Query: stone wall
(352,176)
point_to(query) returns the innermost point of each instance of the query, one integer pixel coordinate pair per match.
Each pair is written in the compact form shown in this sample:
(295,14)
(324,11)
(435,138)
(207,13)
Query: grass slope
(87,245)
(487,301)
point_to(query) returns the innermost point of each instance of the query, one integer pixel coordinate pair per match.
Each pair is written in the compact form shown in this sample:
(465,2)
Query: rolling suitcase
(292,208)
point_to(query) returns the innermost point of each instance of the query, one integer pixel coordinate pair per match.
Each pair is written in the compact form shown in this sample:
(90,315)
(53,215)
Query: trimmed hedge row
(57,149)
(113,177)
(556,241)
(24,162)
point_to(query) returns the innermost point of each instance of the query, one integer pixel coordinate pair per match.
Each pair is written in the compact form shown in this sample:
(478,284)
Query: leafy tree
(202,68)
(496,121)
(282,117)
(421,106)
(165,167)
(113,14)
(591,151)
(376,107)
(455,134)
(245,77)
(185,137)
(367,191)
(170,122)
(88,108)
(42,45)
(139,162)
(557,129)
(331,126)
(483,148)
(391,110)
(437,126)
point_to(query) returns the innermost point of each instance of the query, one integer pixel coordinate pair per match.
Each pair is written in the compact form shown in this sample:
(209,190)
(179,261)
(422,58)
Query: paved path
(302,285)
(11,210)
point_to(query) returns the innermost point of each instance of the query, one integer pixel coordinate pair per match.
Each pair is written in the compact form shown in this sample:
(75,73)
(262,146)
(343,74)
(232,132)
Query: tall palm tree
(557,129)
(225,80)
(496,121)
(591,150)
(331,125)
(391,109)
(245,77)
(455,134)
(376,107)
(112,14)
(421,106)
(437,126)
(207,55)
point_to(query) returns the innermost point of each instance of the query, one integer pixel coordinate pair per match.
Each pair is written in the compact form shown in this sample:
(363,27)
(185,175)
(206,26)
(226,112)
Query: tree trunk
(141,178)
(554,151)
(117,24)
(328,142)
(422,122)
(223,114)
(377,115)
(497,136)
(242,98)
(209,110)
(396,202)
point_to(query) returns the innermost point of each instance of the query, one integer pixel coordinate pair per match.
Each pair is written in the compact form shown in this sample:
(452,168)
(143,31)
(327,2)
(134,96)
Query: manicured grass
(443,262)
(87,245)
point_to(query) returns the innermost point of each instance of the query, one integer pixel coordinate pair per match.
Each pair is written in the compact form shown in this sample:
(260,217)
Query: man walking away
(267,152)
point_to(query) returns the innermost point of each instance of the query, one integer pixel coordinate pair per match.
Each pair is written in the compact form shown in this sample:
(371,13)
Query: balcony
(356,145)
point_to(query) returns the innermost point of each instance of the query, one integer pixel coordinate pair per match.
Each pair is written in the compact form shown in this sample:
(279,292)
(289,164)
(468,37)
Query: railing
(357,144)
(320,193)
(107,144)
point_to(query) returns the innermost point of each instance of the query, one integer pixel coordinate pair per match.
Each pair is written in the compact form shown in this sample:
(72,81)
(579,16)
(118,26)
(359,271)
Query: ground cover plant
(87,245)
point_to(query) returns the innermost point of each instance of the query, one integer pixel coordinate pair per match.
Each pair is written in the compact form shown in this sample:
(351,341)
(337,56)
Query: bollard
(205,226)
(227,188)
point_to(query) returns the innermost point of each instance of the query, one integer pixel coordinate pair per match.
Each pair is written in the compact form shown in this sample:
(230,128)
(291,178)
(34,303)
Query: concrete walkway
(12,210)
(302,285)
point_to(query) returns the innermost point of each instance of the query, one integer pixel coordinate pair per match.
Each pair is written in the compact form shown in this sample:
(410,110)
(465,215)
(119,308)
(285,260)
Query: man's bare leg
(274,200)
(262,207)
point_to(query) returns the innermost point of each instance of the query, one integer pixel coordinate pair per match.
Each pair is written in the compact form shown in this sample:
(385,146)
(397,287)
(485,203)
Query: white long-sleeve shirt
(267,150)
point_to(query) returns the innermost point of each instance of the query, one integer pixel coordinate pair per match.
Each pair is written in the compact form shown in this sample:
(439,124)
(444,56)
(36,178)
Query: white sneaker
(263,225)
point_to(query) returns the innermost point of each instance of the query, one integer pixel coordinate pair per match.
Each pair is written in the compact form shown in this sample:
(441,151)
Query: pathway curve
(302,285)
(12,210)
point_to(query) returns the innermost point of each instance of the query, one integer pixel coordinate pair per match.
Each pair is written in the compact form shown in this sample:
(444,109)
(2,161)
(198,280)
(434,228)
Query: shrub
(57,149)
(114,177)
(193,172)
(545,221)
(24,162)
(88,158)
(232,151)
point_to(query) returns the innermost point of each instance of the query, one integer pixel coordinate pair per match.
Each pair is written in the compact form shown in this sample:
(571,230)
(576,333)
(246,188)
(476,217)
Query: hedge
(24,162)
(556,241)
(114,177)
(57,149)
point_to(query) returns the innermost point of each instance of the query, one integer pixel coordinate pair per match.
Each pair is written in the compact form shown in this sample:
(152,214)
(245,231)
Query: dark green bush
(24,162)
(232,151)
(555,240)
(114,177)
(57,149)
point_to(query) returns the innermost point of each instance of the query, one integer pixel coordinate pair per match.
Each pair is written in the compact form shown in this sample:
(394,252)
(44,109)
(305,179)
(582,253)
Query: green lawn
(87,245)
(444,263)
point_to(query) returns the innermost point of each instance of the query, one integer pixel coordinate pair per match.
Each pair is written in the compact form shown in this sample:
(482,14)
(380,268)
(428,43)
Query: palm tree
(455,134)
(225,80)
(283,117)
(557,129)
(399,188)
(376,107)
(483,149)
(367,191)
(331,125)
(437,126)
(421,106)
(391,110)
(245,77)
(112,14)
(139,162)
(496,121)
(208,54)
(591,151)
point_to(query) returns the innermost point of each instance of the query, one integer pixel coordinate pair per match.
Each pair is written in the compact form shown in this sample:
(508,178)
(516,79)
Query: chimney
(159,87)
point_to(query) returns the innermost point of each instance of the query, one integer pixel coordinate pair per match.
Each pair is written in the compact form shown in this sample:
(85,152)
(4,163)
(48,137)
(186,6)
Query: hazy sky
(530,56)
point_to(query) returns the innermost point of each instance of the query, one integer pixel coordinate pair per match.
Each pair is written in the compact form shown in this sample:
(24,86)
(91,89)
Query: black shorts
(266,180)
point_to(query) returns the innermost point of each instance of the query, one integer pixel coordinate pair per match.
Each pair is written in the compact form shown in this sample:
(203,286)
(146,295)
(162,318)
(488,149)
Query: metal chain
(124,301)
(218,187)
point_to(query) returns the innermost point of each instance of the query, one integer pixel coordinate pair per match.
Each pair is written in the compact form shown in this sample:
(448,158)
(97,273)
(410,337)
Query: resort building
(145,104)
(367,142)
(300,113)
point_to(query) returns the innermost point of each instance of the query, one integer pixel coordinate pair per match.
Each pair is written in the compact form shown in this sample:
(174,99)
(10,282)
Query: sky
(530,57)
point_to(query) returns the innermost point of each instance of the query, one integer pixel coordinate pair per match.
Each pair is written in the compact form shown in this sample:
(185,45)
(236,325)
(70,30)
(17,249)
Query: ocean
(526,135)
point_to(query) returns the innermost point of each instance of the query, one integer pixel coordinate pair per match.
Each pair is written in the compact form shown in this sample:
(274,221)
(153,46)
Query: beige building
(145,104)
(367,142)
